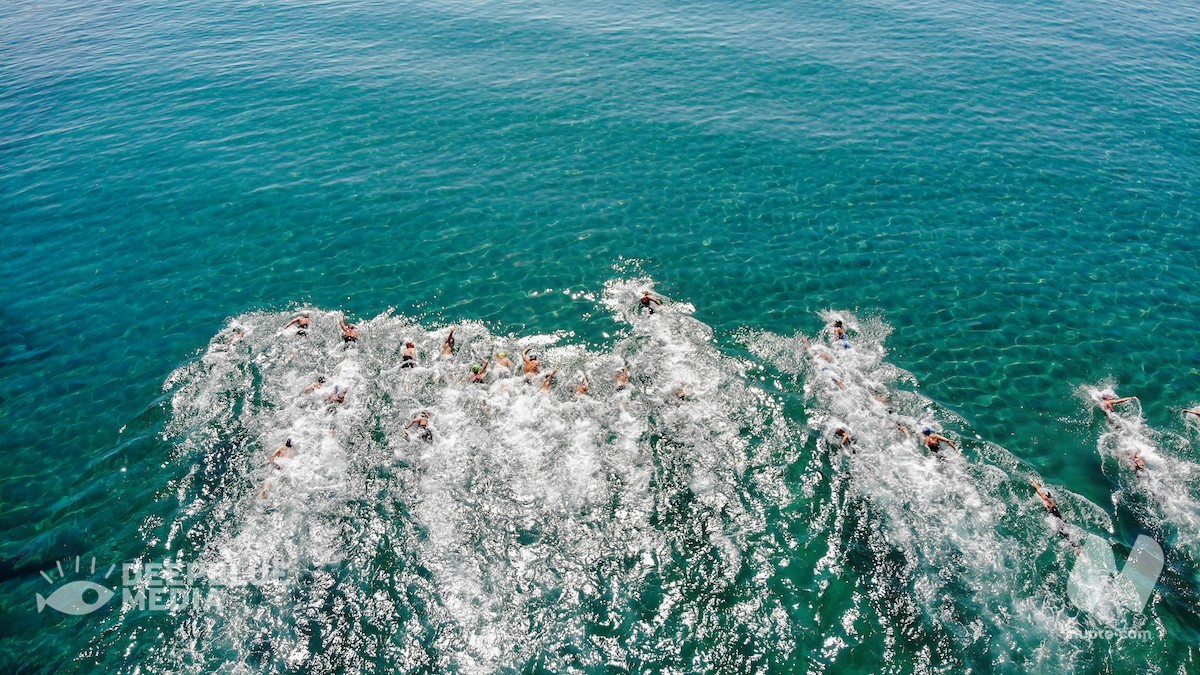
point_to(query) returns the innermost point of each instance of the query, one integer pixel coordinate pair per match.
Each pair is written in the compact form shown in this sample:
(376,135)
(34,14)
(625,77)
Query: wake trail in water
(1149,468)
(527,528)
(951,543)
(693,519)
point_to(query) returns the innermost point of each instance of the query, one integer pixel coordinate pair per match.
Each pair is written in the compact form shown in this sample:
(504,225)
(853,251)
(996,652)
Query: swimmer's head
(409,344)
(321,379)
(838,323)
(927,431)
(503,355)
(476,369)
(288,443)
(1106,396)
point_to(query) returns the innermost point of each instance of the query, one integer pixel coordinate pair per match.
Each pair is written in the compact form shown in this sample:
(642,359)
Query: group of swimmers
(531,368)
(932,440)
(1108,402)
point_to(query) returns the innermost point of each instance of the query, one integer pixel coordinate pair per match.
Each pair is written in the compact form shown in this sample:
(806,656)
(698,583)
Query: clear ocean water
(999,199)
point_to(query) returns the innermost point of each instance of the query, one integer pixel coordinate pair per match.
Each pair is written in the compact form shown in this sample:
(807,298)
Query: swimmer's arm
(1123,400)
(1191,412)
(293,322)
(409,425)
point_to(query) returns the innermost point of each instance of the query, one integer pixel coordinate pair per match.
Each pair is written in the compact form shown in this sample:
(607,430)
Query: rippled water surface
(999,199)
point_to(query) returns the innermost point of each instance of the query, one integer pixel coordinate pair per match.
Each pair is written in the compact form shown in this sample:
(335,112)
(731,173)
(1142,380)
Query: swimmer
(502,361)
(338,396)
(1136,461)
(844,439)
(349,332)
(1047,501)
(315,385)
(549,380)
(283,452)
(1109,402)
(622,378)
(582,388)
(479,372)
(839,331)
(933,441)
(646,301)
(302,324)
(531,364)
(448,345)
(235,336)
(422,420)
(681,393)
(408,358)
(1187,411)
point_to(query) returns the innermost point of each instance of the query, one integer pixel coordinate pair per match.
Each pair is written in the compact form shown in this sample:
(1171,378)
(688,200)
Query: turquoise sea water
(1002,195)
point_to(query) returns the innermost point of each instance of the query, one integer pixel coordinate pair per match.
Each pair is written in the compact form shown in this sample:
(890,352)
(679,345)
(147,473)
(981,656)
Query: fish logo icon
(78,597)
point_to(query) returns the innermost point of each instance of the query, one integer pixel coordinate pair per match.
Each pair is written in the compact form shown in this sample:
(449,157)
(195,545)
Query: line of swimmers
(1108,402)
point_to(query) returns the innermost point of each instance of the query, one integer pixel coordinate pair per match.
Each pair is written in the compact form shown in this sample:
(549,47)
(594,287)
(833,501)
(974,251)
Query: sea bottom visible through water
(767,508)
